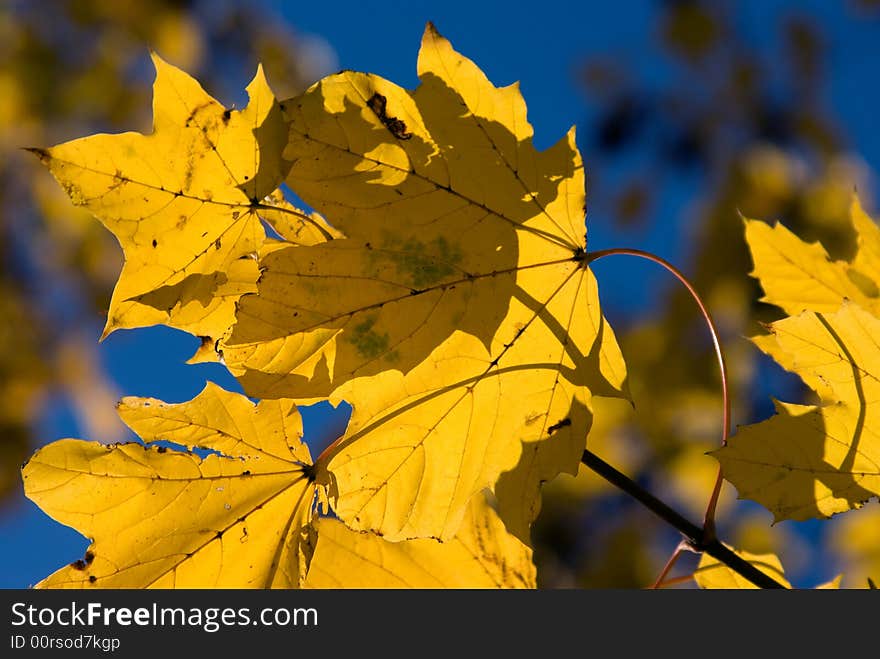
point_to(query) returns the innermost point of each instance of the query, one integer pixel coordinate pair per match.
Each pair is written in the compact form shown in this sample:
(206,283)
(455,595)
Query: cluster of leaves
(812,461)
(447,300)
(446,297)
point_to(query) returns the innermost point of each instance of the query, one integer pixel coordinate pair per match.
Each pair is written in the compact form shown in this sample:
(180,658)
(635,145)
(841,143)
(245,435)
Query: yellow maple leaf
(183,201)
(236,509)
(410,469)
(518,490)
(165,518)
(455,222)
(481,555)
(798,276)
(457,316)
(808,460)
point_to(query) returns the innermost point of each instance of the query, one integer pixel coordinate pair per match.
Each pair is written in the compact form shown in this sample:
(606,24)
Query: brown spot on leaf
(195,111)
(84,562)
(378,104)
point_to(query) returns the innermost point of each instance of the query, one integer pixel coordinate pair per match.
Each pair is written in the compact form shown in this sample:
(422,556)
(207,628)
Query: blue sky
(538,44)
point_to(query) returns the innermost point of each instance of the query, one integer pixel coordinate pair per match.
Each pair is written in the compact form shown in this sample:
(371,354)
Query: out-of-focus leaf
(711,573)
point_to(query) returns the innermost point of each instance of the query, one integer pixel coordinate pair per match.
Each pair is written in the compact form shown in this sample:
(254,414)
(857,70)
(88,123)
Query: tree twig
(692,533)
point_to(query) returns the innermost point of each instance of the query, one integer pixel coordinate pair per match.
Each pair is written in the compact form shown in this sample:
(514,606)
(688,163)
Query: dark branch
(692,532)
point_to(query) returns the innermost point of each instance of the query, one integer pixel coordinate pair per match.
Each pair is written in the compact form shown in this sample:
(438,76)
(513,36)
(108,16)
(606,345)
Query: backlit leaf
(183,201)
(221,495)
(814,461)
(409,470)
(166,518)
(518,490)
(457,316)
(295,226)
(796,275)
(481,555)
(444,228)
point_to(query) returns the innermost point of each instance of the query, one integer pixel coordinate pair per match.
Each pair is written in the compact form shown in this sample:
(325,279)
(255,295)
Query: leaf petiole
(697,539)
(709,517)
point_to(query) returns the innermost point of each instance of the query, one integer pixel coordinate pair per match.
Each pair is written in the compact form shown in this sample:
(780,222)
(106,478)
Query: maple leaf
(231,503)
(798,276)
(816,460)
(518,490)
(447,229)
(183,201)
(457,316)
(166,518)
(481,555)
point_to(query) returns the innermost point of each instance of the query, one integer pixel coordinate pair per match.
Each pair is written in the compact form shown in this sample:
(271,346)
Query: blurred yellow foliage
(856,540)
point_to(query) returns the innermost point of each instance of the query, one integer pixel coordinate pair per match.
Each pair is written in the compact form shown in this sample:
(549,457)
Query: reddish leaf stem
(709,517)
(674,581)
(682,546)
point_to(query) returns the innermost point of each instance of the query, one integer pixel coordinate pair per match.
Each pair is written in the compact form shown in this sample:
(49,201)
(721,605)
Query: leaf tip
(156,58)
(259,84)
(42,154)
(432,34)
(164,70)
